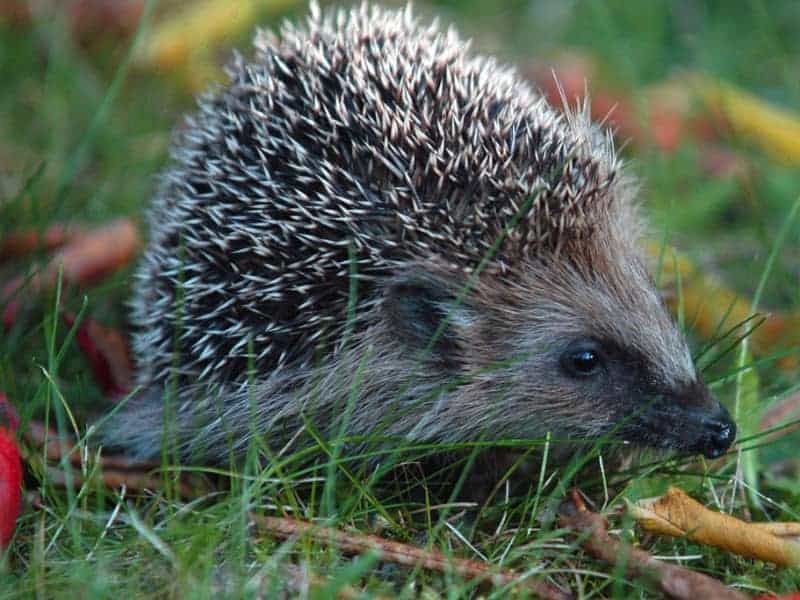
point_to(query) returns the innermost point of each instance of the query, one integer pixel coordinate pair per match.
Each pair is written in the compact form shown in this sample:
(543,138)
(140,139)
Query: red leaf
(107,352)
(10,475)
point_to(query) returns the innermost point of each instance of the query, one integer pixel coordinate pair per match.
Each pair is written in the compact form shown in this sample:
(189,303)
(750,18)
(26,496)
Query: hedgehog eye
(582,359)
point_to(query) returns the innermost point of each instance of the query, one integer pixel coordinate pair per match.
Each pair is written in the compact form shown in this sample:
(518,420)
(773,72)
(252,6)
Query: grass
(81,139)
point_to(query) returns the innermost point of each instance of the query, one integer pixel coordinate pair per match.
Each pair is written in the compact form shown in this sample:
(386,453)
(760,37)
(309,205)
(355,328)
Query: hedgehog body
(367,212)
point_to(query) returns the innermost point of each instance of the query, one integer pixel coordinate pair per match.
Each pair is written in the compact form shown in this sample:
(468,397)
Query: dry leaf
(55,449)
(194,28)
(775,130)
(21,243)
(134,481)
(689,105)
(108,354)
(114,472)
(569,76)
(678,515)
(183,43)
(97,254)
(86,259)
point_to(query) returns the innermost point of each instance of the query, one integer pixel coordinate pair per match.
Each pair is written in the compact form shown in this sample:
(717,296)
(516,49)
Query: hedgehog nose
(719,433)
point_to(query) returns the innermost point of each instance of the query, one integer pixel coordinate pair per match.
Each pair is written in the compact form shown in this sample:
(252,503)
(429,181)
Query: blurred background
(704,97)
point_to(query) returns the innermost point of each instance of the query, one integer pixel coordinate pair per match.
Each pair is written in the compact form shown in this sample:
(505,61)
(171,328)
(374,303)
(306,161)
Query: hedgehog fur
(368,206)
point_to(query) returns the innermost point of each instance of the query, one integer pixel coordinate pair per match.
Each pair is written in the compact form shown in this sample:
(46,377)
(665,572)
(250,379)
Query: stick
(674,580)
(36,434)
(404,554)
(133,481)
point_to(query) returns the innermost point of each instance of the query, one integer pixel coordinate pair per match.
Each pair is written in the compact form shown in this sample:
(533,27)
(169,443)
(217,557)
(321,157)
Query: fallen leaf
(183,43)
(134,481)
(108,354)
(10,477)
(115,471)
(775,130)
(95,255)
(55,449)
(192,29)
(21,243)
(674,580)
(689,105)
(783,412)
(676,514)
(567,78)
(723,163)
(84,260)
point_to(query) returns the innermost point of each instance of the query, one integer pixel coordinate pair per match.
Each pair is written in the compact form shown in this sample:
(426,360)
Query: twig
(36,434)
(404,554)
(132,480)
(674,580)
(115,471)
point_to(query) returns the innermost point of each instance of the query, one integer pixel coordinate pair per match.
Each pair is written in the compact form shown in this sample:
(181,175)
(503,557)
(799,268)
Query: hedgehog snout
(718,433)
(706,425)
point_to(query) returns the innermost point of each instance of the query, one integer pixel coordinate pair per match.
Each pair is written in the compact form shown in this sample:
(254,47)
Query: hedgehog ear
(424,313)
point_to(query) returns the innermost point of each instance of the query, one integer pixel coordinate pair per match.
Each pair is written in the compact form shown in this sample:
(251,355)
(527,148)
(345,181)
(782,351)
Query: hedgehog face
(602,354)
(585,351)
(645,409)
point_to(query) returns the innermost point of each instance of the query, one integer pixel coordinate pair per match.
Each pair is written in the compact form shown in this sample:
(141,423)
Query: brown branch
(132,480)
(114,472)
(36,434)
(674,580)
(404,554)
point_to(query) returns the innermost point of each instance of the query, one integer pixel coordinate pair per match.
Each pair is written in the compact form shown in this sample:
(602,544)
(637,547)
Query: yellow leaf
(185,40)
(776,130)
(678,515)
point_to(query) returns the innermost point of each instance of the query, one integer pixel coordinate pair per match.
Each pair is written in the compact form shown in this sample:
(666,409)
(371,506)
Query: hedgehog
(373,231)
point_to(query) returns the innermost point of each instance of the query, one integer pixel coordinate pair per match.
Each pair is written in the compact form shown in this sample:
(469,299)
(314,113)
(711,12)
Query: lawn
(85,128)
